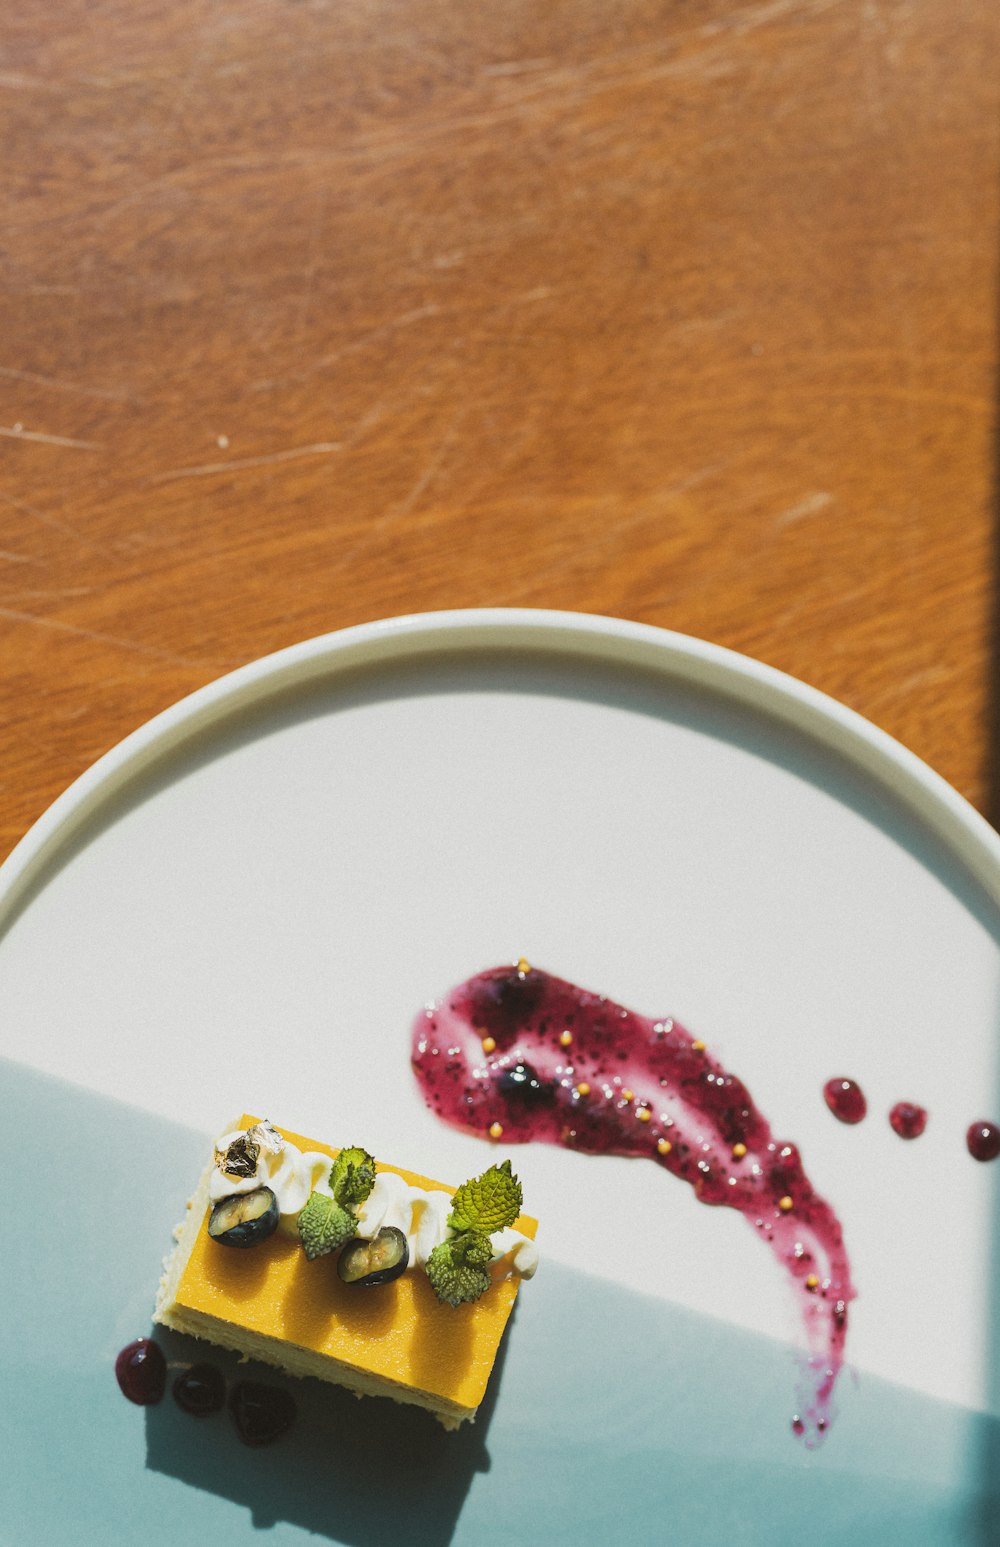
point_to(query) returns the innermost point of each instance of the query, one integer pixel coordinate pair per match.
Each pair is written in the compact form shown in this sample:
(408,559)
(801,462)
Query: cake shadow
(359,1471)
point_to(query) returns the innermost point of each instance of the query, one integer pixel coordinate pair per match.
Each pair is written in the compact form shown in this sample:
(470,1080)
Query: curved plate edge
(694,661)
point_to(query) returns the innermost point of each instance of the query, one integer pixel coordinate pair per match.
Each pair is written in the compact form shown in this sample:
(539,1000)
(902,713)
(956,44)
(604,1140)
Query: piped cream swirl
(420,1213)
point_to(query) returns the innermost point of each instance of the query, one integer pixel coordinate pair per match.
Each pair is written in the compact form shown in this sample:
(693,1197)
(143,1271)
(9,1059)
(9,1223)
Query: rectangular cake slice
(395,1339)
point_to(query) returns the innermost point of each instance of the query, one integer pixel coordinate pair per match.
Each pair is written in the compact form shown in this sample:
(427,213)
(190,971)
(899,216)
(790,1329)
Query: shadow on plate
(364,1473)
(614,1416)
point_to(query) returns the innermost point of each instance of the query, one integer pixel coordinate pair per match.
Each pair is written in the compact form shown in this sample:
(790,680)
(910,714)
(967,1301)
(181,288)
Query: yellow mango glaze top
(316,1287)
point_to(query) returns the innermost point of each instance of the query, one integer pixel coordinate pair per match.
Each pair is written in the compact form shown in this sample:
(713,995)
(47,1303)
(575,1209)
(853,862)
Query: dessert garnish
(141,1372)
(457,1262)
(458,1267)
(200,1390)
(242,1153)
(518,1054)
(983,1140)
(244,1218)
(330,1219)
(377,1261)
(846,1100)
(261,1413)
(908,1120)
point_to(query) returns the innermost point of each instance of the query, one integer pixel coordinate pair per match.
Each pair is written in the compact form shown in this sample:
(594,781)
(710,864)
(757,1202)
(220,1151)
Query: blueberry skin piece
(244,1232)
(394,1247)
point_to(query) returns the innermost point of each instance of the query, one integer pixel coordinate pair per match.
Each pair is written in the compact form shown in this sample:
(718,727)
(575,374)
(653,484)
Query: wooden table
(312,313)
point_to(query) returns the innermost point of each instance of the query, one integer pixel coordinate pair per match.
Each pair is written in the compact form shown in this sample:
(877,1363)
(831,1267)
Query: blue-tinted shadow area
(611,1417)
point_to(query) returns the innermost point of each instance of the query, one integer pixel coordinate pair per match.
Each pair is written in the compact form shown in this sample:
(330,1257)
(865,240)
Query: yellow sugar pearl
(643,1114)
(565,1038)
(583,1089)
(496,1130)
(523,966)
(812,1282)
(739,1150)
(786,1203)
(664,1146)
(627,1095)
(489,1044)
(697,1047)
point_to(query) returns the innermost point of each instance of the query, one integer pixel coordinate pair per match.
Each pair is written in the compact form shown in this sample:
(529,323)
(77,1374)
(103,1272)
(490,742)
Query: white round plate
(246,903)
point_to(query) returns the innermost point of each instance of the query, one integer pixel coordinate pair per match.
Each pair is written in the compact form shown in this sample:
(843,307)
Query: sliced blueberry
(261,1413)
(200,1390)
(377,1261)
(244,1218)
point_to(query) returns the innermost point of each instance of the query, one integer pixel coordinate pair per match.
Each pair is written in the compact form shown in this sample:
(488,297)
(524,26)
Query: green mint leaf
(487,1203)
(472,1247)
(324,1226)
(352,1176)
(455,1282)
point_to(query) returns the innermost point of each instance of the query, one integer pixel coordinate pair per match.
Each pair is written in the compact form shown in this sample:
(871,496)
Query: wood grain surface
(315,312)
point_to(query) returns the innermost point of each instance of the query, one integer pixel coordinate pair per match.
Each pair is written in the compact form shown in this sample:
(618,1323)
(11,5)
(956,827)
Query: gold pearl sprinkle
(496,1130)
(643,1114)
(786,1203)
(664,1146)
(565,1038)
(697,1047)
(489,1044)
(523,965)
(583,1089)
(812,1282)
(628,1095)
(739,1150)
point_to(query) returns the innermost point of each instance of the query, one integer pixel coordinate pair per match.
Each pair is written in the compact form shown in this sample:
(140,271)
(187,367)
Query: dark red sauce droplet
(983,1141)
(544,1060)
(908,1120)
(846,1100)
(261,1413)
(200,1390)
(141,1372)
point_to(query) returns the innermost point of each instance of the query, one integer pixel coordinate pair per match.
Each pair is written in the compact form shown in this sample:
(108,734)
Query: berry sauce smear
(518,1055)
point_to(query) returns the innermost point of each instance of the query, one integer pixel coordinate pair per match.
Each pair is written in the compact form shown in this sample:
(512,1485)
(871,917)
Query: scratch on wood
(67,386)
(15,432)
(49,521)
(209,469)
(406,504)
(810,505)
(517,66)
(15,82)
(131,645)
(22,593)
(358,345)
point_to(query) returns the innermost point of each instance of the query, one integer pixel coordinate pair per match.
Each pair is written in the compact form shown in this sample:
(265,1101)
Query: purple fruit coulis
(517,1055)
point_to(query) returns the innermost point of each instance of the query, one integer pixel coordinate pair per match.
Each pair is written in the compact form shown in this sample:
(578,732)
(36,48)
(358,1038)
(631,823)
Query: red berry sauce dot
(141,1372)
(983,1141)
(846,1100)
(200,1390)
(908,1120)
(261,1413)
